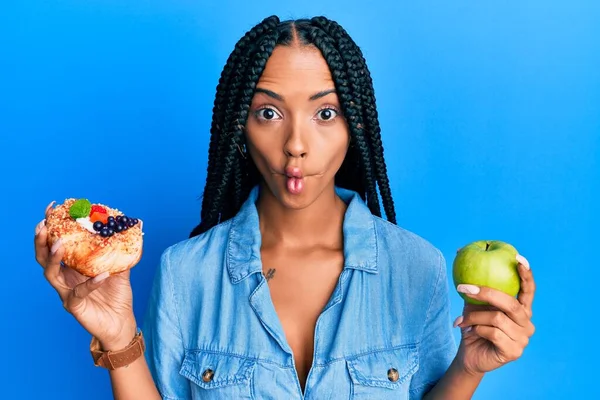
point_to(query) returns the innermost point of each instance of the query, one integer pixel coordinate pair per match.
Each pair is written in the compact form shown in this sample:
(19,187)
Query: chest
(301,284)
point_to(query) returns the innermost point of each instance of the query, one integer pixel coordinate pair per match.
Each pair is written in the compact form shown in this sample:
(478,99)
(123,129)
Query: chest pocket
(383,374)
(216,375)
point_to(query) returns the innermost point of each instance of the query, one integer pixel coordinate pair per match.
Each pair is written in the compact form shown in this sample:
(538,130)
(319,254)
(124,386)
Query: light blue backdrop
(490,113)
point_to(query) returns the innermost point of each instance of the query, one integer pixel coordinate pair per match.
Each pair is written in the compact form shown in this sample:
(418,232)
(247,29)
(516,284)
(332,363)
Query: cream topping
(86,223)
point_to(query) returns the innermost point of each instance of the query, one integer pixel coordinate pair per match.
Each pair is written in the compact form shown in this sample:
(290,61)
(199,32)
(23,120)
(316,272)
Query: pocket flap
(388,368)
(212,370)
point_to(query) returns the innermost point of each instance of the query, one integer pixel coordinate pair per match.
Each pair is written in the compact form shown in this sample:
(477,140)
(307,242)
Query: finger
(53,272)
(527,291)
(79,293)
(502,301)
(496,319)
(468,307)
(41,236)
(40,243)
(506,348)
(458,322)
(49,208)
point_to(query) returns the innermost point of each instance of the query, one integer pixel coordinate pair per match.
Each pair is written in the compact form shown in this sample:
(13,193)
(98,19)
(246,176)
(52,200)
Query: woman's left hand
(495,334)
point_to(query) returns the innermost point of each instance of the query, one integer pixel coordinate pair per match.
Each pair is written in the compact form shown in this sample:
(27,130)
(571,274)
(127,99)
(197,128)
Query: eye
(267,114)
(327,114)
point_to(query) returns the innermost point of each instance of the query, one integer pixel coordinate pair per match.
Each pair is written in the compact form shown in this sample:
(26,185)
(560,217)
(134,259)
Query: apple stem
(487,245)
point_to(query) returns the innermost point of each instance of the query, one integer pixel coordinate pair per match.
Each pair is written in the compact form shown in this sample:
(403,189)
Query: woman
(292,286)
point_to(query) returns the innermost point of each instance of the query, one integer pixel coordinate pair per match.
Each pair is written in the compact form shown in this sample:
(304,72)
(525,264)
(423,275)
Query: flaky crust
(89,253)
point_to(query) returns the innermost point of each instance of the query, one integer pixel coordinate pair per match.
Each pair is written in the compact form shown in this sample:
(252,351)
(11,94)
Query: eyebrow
(279,97)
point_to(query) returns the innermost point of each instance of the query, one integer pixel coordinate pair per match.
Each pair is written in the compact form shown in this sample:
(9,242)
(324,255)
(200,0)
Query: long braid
(372,125)
(232,173)
(372,120)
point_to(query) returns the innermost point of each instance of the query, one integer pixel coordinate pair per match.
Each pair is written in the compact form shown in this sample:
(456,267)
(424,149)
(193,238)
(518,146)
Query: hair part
(231,173)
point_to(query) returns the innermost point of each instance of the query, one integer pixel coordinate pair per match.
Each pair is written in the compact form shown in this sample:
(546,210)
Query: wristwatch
(121,358)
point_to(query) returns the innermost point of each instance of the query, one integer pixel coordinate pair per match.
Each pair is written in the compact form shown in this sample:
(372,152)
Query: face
(295,132)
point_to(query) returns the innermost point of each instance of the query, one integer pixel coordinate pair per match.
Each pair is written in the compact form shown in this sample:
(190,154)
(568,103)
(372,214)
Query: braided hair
(231,173)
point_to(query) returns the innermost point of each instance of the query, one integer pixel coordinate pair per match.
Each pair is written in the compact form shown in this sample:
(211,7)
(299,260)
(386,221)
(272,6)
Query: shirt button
(393,374)
(208,375)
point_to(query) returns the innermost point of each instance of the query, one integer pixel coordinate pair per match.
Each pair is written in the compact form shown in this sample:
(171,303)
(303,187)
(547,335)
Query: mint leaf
(80,209)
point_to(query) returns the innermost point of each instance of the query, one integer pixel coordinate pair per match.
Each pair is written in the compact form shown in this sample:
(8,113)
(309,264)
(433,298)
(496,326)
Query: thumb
(79,293)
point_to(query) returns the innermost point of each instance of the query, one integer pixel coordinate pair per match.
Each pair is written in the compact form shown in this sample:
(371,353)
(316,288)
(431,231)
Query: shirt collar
(360,240)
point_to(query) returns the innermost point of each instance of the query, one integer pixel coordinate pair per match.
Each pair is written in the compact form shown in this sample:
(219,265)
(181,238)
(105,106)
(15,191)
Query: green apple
(490,263)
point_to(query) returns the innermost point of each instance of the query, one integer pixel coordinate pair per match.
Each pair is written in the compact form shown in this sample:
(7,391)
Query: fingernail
(522,260)
(49,206)
(101,277)
(469,289)
(56,246)
(458,321)
(467,329)
(39,226)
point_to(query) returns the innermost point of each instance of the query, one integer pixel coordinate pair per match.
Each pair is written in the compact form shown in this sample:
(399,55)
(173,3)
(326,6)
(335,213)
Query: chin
(295,202)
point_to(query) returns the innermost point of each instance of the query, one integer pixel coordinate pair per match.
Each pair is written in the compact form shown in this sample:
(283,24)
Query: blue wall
(490,113)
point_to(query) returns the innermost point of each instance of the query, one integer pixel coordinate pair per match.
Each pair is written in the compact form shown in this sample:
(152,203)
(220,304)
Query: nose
(295,145)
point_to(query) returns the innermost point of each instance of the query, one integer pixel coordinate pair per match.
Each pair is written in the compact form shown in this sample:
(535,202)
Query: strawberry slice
(99,216)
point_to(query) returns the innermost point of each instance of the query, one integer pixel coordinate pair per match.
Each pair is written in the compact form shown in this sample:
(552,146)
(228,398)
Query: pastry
(95,237)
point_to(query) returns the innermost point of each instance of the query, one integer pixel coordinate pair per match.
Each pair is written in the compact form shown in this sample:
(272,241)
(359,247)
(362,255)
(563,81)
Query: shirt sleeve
(437,348)
(162,333)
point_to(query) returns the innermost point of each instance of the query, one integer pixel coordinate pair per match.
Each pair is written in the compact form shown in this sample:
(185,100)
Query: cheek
(264,150)
(334,148)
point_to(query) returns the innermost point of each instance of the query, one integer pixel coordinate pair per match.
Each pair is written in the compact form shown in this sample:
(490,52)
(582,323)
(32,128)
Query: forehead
(293,69)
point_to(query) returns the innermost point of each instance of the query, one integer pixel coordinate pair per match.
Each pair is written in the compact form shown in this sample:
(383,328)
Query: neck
(318,224)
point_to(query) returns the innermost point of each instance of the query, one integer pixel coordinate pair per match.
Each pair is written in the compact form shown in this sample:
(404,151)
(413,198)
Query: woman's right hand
(102,305)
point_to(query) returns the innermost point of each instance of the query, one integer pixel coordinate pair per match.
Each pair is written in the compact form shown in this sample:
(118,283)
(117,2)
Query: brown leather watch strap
(121,358)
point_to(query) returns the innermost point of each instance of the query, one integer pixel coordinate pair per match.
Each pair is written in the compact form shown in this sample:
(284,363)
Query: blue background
(490,113)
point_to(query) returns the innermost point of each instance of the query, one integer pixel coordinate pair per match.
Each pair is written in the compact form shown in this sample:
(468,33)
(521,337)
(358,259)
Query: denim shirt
(212,331)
